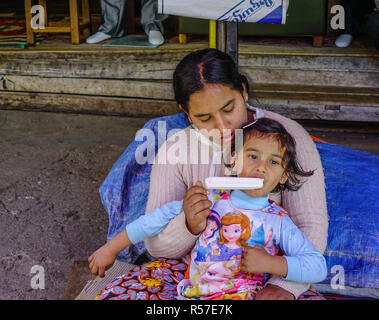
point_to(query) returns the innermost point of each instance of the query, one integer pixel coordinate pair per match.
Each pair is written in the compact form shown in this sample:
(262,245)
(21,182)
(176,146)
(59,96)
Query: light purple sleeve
(149,225)
(305,263)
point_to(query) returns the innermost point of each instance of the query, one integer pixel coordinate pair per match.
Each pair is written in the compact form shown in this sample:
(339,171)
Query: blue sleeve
(152,223)
(305,263)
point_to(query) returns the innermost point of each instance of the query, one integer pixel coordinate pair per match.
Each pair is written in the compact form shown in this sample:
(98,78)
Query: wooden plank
(313,110)
(101,87)
(53,30)
(151,89)
(295,109)
(86,104)
(333,78)
(153,64)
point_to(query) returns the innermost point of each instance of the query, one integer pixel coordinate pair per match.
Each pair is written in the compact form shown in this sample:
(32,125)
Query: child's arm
(305,263)
(147,225)
(302,262)
(103,258)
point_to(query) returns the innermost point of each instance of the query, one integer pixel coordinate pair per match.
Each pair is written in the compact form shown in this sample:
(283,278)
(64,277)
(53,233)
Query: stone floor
(51,167)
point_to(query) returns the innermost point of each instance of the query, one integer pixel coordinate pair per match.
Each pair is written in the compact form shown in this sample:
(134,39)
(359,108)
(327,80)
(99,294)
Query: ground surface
(51,167)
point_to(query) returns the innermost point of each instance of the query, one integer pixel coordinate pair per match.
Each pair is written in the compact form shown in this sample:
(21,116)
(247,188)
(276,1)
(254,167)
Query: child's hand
(196,208)
(101,260)
(257,260)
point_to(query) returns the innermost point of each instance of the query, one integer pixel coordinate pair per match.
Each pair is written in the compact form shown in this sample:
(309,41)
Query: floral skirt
(158,280)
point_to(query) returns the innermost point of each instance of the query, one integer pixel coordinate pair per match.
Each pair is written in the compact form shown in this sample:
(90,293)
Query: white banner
(258,11)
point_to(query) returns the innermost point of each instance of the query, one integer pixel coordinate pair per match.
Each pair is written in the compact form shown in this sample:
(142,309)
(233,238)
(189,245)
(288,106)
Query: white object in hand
(233,183)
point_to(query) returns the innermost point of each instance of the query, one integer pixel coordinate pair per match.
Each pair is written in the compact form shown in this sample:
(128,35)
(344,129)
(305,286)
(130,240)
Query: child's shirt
(236,220)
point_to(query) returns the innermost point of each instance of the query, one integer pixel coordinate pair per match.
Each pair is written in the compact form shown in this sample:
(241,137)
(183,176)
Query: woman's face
(219,107)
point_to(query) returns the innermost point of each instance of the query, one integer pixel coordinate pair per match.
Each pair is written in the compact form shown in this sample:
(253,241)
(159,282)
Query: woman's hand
(196,208)
(273,292)
(101,260)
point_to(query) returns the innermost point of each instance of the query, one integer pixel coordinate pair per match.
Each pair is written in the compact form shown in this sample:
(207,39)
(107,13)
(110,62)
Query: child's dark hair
(265,126)
(206,66)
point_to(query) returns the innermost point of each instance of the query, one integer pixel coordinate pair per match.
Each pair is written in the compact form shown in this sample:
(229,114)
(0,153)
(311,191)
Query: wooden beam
(53,30)
(232,40)
(221,36)
(86,19)
(74,21)
(30,37)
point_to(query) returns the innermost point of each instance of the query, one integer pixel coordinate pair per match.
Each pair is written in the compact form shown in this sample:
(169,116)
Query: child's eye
(252,156)
(274,162)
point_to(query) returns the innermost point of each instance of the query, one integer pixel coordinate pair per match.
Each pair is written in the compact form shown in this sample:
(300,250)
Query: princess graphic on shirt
(210,278)
(203,247)
(234,232)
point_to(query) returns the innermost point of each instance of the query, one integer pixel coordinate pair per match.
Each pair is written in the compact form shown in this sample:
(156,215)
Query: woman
(213,95)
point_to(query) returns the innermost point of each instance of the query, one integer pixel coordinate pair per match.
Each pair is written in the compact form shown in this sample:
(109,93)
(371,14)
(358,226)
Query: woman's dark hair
(263,127)
(206,66)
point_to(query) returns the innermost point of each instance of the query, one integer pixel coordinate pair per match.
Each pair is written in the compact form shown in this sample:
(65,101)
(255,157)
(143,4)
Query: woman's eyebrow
(224,106)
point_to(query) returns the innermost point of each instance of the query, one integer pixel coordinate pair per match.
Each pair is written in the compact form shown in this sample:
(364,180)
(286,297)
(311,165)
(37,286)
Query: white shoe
(98,37)
(344,40)
(155,37)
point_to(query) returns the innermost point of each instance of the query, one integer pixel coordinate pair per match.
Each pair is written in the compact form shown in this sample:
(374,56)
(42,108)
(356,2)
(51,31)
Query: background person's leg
(355,11)
(152,21)
(113,21)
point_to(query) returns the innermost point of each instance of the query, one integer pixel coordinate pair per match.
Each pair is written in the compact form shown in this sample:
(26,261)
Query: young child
(239,247)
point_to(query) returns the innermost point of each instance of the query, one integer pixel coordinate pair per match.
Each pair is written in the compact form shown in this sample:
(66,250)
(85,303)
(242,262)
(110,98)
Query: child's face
(262,157)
